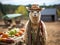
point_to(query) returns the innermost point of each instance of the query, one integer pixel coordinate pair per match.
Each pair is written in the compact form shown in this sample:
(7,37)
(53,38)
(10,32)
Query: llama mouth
(35,18)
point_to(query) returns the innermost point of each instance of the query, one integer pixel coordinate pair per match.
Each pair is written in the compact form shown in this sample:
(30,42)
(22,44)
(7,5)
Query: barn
(49,14)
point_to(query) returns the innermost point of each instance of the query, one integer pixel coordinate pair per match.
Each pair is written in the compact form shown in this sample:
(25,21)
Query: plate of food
(12,35)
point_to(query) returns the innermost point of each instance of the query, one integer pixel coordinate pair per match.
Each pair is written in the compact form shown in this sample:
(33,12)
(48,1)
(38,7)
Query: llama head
(34,13)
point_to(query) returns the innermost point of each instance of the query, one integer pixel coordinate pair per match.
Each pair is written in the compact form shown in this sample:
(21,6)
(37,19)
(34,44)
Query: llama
(35,33)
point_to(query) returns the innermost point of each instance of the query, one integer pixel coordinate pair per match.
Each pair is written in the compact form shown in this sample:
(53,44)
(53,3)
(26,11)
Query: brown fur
(34,25)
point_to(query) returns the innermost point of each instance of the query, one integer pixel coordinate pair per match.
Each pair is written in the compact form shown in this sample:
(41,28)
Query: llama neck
(35,26)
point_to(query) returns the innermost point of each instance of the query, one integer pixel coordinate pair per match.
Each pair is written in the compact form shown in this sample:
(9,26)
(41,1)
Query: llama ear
(28,8)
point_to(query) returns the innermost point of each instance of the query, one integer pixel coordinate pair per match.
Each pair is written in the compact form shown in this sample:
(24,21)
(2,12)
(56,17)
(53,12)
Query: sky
(26,2)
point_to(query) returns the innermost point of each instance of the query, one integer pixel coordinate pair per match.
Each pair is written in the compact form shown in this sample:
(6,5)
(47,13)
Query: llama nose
(35,15)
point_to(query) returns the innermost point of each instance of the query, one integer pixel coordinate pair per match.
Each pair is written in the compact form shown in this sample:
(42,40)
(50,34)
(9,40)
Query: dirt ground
(53,31)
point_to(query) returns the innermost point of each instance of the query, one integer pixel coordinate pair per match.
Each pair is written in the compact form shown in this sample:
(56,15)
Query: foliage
(2,8)
(22,10)
(58,12)
(10,8)
(7,9)
(29,5)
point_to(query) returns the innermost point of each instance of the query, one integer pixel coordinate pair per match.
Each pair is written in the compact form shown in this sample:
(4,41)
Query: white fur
(31,16)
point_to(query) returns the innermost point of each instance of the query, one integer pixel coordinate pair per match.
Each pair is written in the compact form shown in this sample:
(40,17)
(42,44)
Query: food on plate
(20,33)
(1,33)
(8,37)
(12,32)
(3,39)
(7,40)
(22,29)
(5,35)
(17,34)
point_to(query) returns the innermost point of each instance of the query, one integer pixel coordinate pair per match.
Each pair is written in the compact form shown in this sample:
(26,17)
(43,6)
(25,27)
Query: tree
(29,5)
(58,12)
(22,10)
(2,9)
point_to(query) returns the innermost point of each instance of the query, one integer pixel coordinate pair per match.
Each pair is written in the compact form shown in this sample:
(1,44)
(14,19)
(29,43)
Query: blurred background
(50,15)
